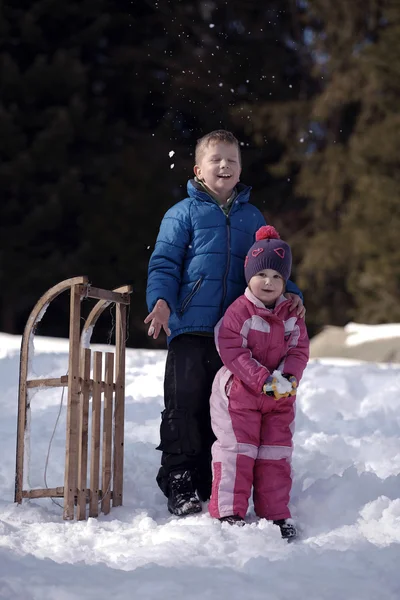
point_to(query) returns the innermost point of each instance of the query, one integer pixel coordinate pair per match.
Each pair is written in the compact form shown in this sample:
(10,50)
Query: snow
(359,334)
(283,385)
(346,499)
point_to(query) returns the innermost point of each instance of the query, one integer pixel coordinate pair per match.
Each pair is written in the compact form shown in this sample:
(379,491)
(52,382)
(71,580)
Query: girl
(265,349)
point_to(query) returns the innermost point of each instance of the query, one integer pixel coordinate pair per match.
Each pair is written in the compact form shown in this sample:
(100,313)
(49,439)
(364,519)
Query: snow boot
(288,530)
(233,520)
(182,498)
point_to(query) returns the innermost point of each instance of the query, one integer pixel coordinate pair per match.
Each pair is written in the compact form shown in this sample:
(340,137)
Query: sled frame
(108,442)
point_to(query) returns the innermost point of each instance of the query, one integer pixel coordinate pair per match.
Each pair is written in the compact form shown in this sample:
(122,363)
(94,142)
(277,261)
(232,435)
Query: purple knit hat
(268,252)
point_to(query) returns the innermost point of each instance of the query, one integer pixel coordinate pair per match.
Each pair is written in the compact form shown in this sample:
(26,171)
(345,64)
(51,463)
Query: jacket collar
(251,297)
(197,191)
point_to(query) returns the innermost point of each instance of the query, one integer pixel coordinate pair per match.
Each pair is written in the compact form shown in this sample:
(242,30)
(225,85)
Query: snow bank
(345,497)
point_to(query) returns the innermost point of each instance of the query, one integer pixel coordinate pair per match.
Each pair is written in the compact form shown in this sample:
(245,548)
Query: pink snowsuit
(254,431)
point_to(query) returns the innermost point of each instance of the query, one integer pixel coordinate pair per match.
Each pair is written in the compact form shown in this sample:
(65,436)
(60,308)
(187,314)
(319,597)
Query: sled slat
(95,436)
(119,411)
(71,447)
(83,435)
(107,433)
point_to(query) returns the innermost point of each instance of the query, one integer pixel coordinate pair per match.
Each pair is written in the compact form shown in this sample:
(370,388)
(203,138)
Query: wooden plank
(71,446)
(107,433)
(96,311)
(95,436)
(119,411)
(61,382)
(94,292)
(48,382)
(83,434)
(57,492)
(105,385)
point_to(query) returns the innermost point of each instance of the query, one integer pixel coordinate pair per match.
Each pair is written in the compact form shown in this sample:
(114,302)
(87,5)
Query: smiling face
(219,168)
(267,286)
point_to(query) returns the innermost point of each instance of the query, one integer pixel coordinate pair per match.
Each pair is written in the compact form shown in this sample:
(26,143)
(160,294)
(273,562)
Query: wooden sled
(111,387)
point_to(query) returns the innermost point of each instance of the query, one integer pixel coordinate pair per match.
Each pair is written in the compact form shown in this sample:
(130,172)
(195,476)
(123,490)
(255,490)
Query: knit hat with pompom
(268,252)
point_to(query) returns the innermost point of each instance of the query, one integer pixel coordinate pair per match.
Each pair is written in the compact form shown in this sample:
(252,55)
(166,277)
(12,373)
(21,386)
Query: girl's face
(267,286)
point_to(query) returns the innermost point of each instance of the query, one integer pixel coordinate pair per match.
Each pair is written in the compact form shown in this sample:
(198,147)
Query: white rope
(112,325)
(50,443)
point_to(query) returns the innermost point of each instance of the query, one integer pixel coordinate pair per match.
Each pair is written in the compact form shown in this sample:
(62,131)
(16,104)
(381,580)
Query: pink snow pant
(253,449)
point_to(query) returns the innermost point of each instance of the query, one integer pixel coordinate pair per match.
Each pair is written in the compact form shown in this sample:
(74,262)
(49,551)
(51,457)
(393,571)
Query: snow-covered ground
(346,498)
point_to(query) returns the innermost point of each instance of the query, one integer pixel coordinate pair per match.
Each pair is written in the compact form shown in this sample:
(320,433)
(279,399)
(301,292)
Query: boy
(195,273)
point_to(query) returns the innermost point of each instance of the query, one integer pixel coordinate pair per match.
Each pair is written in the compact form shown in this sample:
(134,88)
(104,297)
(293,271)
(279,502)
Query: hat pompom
(267,232)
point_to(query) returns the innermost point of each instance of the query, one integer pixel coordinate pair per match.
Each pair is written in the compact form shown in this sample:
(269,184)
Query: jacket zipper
(228,225)
(190,296)
(228,263)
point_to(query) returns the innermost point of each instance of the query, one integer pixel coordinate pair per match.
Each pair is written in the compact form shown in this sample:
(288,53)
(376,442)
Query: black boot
(288,530)
(233,520)
(182,498)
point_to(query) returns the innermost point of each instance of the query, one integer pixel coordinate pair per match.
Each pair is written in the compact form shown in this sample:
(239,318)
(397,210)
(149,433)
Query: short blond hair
(219,135)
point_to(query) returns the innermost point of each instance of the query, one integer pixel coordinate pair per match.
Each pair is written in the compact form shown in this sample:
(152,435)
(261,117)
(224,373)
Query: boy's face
(267,286)
(219,168)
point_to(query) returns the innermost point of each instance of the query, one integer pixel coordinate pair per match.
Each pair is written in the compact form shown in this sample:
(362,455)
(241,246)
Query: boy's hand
(297,304)
(159,317)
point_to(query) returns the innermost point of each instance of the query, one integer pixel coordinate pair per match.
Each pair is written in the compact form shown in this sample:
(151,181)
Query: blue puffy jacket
(197,263)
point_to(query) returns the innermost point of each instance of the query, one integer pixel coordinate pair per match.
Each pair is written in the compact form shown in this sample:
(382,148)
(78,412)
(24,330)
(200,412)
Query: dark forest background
(95,94)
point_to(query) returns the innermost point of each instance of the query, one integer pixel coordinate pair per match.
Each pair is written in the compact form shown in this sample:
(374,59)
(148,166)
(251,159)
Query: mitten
(292,379)
(270,388)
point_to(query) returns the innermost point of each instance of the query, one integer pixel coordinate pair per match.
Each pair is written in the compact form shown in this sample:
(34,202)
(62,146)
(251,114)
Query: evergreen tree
(350,266)
(59,141)
(340,139)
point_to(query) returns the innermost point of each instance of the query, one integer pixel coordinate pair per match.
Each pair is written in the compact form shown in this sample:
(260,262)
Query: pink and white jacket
(253,341)
(253,431)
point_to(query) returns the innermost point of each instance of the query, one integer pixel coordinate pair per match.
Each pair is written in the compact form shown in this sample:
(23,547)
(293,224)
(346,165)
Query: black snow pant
(186,434)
